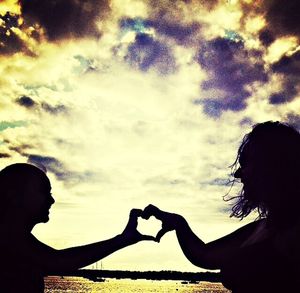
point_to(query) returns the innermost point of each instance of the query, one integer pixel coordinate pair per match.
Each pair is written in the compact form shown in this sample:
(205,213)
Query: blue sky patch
(8,124)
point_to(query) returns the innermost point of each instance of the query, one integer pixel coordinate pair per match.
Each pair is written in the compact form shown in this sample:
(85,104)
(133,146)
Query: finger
(149,211)
(133,218)
(135,213)
(148,237)
(160,234)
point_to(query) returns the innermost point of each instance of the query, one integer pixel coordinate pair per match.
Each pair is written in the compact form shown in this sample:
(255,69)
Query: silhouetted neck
(17,225)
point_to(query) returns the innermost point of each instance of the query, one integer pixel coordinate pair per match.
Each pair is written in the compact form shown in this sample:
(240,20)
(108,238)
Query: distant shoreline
(100,275)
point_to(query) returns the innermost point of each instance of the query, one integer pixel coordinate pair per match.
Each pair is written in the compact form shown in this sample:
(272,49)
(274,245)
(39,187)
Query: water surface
(77,284)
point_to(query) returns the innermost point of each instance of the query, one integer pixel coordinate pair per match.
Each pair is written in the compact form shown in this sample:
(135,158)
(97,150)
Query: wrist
(179,222)
(126,239)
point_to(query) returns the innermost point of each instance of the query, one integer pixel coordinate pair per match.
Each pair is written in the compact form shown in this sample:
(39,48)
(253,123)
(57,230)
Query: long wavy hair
(275,149)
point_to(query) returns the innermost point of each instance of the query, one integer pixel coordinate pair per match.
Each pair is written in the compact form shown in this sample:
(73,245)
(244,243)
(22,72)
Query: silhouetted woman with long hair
(263,256)
(25,194)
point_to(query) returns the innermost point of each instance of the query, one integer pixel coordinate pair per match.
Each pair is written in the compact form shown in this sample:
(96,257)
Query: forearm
(81,256)
(193,248)
(215,254)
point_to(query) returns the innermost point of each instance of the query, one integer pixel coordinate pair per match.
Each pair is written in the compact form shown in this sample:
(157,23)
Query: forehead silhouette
(273,137)
(20,173)
(275,130)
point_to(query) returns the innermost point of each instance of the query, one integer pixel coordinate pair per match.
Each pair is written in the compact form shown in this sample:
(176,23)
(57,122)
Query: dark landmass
(99,275)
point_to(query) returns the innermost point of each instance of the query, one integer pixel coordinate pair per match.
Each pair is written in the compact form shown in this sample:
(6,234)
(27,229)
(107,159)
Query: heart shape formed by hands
(167,221)
(149,226)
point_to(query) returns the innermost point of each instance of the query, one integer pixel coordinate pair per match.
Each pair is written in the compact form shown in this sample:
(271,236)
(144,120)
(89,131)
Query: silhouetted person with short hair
(25,193)
(263,256)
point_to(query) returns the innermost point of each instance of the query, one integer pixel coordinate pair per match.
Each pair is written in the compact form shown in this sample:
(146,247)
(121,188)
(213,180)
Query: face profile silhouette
(268,164)
(26,199)
(26,194)
(263,255)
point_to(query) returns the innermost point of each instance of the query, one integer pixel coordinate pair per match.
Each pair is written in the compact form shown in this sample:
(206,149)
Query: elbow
(205,264)
(204,260)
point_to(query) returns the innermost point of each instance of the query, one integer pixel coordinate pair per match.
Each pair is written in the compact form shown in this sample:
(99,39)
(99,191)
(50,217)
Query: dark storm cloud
(51,164)
(289,69)
(65,18)
(54,109)
(47,163)
(293,119)
(179,32)
(4,155)
(214,107)
(20,149)
(56,167)
(26,102)
(289,65)
(146,53)
(246,121)
(29,103)
(283,16)
(230,67)
(10,42)
(266,37)
(284,96)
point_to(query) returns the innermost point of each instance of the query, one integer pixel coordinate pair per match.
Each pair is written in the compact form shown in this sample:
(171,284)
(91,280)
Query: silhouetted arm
(76,257)
(212,255)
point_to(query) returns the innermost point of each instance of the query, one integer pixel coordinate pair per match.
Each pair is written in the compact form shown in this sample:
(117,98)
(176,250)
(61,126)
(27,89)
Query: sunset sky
(129,102)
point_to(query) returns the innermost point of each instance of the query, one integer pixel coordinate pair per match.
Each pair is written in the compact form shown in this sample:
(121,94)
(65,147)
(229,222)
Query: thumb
(149,211)
(133,218)
(161,233)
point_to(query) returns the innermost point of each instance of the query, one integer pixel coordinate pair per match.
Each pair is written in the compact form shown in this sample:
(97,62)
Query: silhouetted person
(263,256)
(25,194)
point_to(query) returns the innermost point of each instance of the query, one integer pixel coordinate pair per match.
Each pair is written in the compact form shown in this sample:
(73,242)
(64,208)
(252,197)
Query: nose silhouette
(51,200)
(238,173)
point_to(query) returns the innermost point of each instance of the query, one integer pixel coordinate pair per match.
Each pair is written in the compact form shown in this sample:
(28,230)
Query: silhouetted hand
(131,234)
(169,220)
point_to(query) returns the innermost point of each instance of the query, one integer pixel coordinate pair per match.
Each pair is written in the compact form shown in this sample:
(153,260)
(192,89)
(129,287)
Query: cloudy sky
(131,102)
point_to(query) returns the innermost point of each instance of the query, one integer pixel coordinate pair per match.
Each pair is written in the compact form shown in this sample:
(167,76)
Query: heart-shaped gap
(149,227)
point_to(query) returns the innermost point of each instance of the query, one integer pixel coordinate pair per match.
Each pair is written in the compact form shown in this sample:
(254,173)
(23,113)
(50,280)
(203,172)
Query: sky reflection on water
(77,284)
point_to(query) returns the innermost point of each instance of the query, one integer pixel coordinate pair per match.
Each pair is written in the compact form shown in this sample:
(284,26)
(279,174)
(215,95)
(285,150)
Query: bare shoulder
(287,241)
(250,230)
(260,232)
(237,238)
